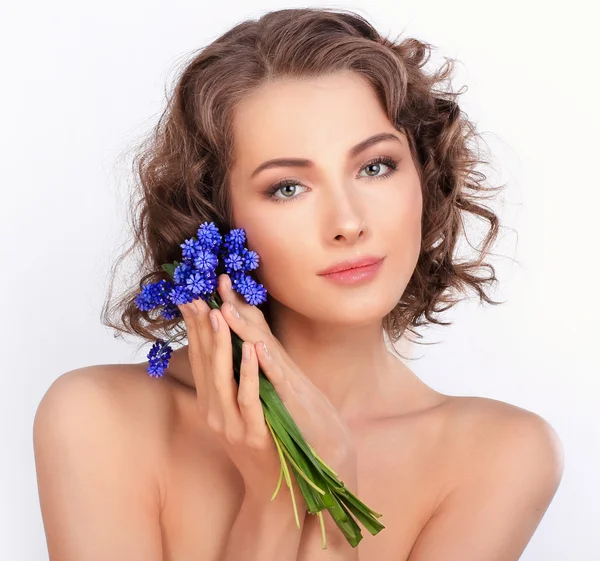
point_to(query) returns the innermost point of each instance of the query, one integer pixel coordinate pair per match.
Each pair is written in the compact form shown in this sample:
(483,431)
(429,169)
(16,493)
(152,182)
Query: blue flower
(154,295)
(170,311)
(233,262)
(206,261)
(182,272)
(250,259)
(202,284)
(209,237)
(189,248)
(234,240)
(159,356)
(180,295)
(253,292)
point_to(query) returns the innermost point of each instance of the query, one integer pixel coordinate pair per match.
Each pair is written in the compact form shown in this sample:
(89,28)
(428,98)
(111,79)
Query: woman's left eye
(376,163)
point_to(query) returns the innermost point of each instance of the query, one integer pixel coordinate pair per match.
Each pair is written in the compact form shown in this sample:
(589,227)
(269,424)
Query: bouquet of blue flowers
(204,258)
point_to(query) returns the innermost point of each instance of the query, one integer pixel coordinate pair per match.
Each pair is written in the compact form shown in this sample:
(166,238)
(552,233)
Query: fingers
(199,336)
(228,294)
(239,320)
(224,389)
(232,411)
(249,398)
(277,372)
(197,325)
(247,330)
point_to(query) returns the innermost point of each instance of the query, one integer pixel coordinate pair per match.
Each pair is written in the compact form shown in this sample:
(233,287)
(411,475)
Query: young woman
(328,144)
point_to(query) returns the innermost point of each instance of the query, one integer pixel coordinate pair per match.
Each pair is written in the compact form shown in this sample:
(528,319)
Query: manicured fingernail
(191,307)
(228,282)
(266,350)
(245,351)
(233,310)
(214,321)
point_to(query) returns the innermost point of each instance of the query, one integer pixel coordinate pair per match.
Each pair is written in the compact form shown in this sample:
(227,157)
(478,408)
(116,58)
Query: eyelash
(391,163)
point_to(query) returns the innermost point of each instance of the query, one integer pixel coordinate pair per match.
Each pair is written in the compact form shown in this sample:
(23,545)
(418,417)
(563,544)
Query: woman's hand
(236,415)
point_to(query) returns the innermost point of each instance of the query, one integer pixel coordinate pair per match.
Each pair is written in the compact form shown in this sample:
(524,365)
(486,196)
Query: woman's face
(337,207)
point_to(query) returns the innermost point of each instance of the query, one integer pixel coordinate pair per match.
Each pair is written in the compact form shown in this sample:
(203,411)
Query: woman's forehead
(300,120)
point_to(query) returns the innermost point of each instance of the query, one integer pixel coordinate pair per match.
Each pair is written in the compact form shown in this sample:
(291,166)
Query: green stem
(291,460)
(322,461)
(281,470)
(288,480)
(322,525)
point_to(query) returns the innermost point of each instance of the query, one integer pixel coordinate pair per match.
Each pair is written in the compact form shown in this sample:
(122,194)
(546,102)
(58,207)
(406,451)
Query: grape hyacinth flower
(196,277)
(204,258)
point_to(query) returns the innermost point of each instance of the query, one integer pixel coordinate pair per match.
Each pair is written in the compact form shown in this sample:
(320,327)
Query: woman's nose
(346,218)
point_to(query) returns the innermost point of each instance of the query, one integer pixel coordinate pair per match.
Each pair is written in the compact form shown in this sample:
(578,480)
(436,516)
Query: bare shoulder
(483,420)
(124,389)
(507,464)
(492,436)
(119,402)
(99,438)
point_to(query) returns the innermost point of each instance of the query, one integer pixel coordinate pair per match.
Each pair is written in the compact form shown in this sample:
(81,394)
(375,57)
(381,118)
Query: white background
(82,81)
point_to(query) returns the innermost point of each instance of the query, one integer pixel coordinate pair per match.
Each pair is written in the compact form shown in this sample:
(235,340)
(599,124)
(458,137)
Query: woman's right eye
(282,186)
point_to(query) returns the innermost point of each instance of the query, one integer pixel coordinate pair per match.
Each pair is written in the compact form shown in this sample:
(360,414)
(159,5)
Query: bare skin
(154,474)
(128,469)
(400,447)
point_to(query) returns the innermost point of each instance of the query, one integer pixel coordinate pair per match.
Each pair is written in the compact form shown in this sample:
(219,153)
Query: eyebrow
(302,162)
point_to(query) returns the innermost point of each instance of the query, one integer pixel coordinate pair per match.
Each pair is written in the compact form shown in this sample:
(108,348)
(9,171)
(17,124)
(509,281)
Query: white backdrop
(82,81)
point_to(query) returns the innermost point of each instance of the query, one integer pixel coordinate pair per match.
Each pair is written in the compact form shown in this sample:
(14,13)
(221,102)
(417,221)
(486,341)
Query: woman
(326,142)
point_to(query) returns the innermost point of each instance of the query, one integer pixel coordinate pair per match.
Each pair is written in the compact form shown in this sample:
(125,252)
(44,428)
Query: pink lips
(355,274)
(351,264)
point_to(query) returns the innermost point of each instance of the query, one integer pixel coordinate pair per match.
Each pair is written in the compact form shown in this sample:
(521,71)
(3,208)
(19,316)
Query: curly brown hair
(181,167)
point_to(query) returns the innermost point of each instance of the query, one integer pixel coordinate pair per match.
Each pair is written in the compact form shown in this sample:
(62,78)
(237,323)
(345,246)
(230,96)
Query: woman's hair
(182,165)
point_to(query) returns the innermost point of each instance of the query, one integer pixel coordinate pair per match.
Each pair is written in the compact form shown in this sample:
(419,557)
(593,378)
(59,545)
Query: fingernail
(233,310)
(214,321)
(266,350)
(191,307)
(245,351)
(228,282)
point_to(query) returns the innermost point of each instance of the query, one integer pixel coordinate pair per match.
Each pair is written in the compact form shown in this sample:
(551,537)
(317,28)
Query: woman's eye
(376,165)
(285,189)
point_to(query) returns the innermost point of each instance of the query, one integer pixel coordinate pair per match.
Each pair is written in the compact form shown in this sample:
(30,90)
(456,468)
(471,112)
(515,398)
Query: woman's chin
(353,314)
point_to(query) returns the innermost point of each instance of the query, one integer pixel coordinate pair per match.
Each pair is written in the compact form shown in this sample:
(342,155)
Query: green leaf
(346,523)
(269,395)
(170,268)
(361,505)
(371,524)
(313,502)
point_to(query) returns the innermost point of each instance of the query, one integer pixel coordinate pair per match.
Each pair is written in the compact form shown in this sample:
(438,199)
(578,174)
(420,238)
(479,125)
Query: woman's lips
(354,276)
